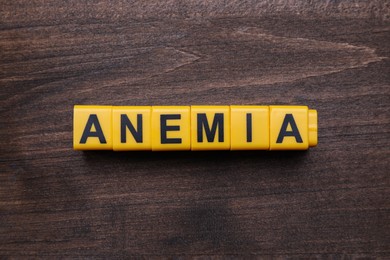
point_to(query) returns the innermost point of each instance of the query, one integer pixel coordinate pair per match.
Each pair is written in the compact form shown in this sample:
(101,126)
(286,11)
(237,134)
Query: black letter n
(125,123)
(93,121)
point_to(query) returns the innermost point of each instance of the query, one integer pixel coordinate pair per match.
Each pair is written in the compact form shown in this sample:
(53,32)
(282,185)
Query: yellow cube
(92,128)
(210,127)
(249,127)
(290,128)
(171,128)
(131,128)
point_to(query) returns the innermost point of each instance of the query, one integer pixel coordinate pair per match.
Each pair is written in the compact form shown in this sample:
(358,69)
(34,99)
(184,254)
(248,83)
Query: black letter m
(210,133)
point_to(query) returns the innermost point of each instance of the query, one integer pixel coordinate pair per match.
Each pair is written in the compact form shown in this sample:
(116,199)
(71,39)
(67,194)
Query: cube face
(131,126)
(289,128)
(210,128)
(250,127)
(92,128)
(171,128)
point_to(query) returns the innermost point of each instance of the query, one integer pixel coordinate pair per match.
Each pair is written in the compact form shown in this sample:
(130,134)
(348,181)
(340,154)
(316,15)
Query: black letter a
(289,119)
(93,121)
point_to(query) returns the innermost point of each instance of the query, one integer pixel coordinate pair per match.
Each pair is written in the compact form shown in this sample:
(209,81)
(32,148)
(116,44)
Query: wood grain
(330,202)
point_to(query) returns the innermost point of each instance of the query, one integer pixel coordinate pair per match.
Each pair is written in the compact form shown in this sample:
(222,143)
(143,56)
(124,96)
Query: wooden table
(331,201)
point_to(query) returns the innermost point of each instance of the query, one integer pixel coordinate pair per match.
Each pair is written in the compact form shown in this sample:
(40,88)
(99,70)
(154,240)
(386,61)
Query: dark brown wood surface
(331,201)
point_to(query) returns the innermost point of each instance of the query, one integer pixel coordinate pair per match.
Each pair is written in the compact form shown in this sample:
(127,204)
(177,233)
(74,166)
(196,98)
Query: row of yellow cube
(164,128)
